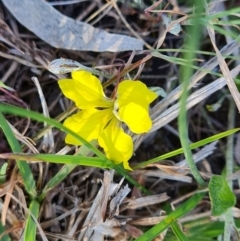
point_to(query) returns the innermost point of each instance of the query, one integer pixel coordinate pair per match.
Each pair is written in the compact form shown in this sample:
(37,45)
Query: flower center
(115,110)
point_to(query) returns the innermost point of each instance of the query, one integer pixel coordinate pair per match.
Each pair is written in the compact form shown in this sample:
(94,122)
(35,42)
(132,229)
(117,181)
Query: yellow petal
(134,91)
(117,145)
(136,117)
(133,105)
(88,124)
(85,90)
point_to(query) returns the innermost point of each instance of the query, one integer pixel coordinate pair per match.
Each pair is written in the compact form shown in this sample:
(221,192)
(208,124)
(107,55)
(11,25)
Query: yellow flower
(101,117)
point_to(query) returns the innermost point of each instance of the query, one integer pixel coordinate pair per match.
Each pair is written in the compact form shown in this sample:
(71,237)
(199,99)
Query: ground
(83,198)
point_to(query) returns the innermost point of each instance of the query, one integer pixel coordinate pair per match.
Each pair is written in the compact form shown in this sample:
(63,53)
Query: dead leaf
(63,32)
(148,200)
(133,231)
(111,228)
(118,199)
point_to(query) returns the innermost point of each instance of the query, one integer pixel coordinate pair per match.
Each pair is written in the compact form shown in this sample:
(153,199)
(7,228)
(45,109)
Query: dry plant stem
(172,112)
(59,118)
(147,221)
(102,15)
(150,9)
(212,63)
(201,154)
(7,199)
(224,68)
(48,140)
(170,26)
(56,236)
(86,11)
(127,24)
(50,222)
(96,206)
(7,92)
(16,227)
(19,60)
(10,70)
(25,140)
(146,201)
(199,95)
(160,174)
(127,70)
(228,220)
(44,238)
(103,10)
(11,220)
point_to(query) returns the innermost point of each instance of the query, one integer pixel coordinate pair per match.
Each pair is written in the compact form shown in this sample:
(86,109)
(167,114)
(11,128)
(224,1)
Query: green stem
(229,221)
(193,43)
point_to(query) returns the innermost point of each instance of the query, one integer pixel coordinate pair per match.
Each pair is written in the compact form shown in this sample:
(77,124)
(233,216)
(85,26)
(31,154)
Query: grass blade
(171,218)
(31,227)
(192,146)
(23,166)
(194,30)
(60,159)
(39,117)
(63,172)
(178,232)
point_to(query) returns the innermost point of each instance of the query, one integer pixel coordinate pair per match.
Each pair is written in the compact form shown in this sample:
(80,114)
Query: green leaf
(172,217)
(175,28)
(159,91)
(221,196)
(214,107)
(31,227)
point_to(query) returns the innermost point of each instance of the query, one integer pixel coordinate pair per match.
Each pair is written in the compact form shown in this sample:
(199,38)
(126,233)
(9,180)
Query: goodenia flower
(101,117)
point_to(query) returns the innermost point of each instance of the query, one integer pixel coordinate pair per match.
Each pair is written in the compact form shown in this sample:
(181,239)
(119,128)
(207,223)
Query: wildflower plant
(102,118)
